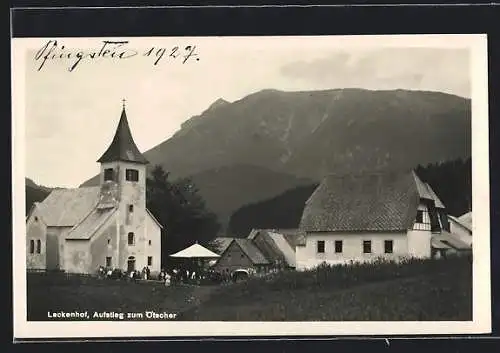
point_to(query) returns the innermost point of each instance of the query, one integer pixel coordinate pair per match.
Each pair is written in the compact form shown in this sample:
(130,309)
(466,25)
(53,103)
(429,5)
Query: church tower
(123,185)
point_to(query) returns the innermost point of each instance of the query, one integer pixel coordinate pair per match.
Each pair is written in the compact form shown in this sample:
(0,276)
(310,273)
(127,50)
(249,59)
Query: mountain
(34,193)
(310,134)
(283,211)
(373,130)
(228,188)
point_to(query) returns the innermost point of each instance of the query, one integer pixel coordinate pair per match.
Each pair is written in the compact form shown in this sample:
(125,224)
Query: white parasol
(195,251)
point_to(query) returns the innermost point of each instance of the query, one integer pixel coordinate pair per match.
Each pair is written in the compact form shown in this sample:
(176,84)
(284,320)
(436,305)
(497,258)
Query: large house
(366,216)
(78,230)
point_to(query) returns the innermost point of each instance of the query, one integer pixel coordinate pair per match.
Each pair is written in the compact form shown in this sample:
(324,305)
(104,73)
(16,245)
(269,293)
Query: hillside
(309,134)
(283,211)
(34,193)
(226,189)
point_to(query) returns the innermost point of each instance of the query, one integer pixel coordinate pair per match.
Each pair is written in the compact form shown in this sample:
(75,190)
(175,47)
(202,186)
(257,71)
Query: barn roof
(223,243)
(123,147)
(67,207)
(466,219)
(371,201)
(253,253)
(284,247)
(462,223)
(447,240)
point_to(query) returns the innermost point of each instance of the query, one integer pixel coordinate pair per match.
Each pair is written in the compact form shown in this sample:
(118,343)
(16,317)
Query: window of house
(367,246)
(131,208)
(108,261)
(420,216)
(108,174)
(132,175)
(32,246)
(388,246)
(38,246)
(150,260)
(131,238)
(320,246)
(338,246)
(149,242)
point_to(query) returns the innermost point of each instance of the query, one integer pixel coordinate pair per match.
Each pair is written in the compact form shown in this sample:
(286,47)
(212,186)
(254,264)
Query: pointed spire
(123,147)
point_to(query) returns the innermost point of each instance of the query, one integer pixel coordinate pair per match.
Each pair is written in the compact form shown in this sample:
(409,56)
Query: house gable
(36,240)
(233,257)
(151,216)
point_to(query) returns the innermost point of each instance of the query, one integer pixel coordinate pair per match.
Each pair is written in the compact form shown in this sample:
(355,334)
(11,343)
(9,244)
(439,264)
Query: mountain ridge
(307,134)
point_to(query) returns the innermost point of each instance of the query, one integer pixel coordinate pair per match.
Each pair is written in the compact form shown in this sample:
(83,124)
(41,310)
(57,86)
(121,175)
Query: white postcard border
(480,178)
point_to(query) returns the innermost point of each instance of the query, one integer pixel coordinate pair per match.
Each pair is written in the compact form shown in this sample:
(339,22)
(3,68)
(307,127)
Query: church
(78,230)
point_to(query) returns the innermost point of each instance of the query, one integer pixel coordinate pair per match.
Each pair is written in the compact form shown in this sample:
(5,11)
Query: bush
(409,290)
(343,276)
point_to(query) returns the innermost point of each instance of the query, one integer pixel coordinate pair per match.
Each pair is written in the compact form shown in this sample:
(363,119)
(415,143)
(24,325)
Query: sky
(70,117)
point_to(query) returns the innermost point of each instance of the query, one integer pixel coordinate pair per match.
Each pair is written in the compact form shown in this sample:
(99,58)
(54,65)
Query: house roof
(371,201)
(223,243)
(447,240)
(466,219)
(253,253)
(461,223)
(293,235)
(154,218)
(123,147)
(437,201)
(284,247)
(67,207)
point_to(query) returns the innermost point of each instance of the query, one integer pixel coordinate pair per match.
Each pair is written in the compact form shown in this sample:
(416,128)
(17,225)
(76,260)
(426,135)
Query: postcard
(250,186)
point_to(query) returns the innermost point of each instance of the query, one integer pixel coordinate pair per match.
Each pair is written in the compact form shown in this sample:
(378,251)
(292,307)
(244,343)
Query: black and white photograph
(250,185)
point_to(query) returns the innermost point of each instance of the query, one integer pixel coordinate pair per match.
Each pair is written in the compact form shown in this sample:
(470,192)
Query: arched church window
(38,246)
(32,246)
(131,238)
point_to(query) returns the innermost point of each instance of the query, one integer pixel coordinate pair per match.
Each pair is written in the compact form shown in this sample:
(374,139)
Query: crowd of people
(174,276)
(115,273)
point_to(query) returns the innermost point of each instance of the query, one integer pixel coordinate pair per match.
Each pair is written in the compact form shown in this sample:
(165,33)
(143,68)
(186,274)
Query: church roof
(91,224)
(123,147)
(67,207)
(79,208)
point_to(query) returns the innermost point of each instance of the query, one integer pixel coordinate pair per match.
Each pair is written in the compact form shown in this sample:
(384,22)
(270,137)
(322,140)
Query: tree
(452,182)
(181,210)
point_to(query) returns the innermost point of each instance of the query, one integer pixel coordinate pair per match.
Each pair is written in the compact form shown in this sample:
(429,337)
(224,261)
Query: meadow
(411,290)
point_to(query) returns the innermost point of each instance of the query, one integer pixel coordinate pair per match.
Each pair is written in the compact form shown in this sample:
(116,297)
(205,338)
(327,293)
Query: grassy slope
(424,291)
(56,293)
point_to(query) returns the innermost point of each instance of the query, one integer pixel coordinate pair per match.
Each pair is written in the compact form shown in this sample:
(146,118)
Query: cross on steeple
(123,103)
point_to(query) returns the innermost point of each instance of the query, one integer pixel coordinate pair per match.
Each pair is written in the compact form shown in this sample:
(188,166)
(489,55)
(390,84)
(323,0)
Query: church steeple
(123,147)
